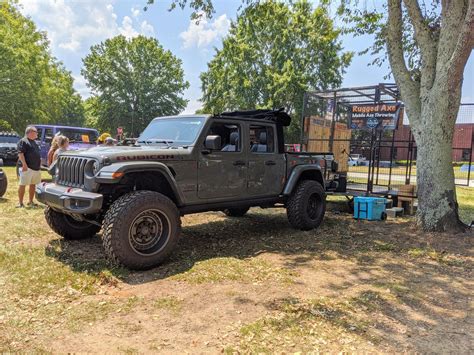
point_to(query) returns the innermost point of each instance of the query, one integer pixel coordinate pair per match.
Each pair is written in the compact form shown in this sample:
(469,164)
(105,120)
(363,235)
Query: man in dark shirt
(30,173)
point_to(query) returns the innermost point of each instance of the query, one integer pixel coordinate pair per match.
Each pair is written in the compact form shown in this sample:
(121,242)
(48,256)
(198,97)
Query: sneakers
(20,205)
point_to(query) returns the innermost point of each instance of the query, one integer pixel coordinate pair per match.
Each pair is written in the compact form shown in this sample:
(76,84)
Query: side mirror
(213,143)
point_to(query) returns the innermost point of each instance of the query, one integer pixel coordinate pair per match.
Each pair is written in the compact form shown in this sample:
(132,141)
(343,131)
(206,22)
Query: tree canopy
(34,86)
(273,54)
(132,81)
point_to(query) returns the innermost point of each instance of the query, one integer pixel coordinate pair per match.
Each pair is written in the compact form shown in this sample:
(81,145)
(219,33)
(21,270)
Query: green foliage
(368,20)
(273,54)
(132,82)
(34,87)
(5,126)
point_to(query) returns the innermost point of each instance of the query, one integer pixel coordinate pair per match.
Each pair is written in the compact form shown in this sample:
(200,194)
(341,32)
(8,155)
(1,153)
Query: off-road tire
(236,212)
(3,186)
(67,227)
(119,226)
(300,215)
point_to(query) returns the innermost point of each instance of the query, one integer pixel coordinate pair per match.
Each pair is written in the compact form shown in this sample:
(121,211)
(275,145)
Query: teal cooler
(370,208)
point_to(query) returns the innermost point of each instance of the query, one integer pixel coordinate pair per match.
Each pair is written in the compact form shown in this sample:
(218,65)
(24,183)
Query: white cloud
(70,26)
(204,33)
(135,12)
(75,26)
(147,29)
(127,28)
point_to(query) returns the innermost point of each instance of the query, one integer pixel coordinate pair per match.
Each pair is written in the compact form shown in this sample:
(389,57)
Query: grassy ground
(248,284)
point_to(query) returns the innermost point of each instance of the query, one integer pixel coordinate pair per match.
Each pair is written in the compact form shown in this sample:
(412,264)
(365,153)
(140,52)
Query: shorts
(30,177)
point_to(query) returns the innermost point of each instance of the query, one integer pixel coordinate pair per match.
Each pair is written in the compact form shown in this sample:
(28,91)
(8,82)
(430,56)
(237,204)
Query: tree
(427,48)
(5,126)
(273,54)
(134,80)
(34,87)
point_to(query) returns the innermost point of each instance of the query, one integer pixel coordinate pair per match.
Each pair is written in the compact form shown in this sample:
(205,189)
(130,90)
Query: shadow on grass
(249,236)
(423,299)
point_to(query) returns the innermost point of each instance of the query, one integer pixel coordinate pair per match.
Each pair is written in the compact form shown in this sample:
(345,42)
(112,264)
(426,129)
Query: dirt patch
(347,286)
(248,284)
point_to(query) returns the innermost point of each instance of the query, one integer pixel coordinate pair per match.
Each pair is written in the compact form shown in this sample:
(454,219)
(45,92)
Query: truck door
(222,173)
(267,167)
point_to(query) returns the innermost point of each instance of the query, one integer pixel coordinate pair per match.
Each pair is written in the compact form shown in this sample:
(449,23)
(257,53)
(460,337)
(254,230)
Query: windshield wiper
(151,141)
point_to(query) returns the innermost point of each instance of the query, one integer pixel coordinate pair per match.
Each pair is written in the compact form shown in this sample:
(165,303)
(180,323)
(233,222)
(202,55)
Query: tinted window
(40,133)
(230,136)
(48,135)
(78,135)
(262,139)
(9,139)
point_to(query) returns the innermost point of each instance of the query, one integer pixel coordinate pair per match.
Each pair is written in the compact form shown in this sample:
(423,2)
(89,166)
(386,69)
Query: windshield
(182,131)
(79,136)
(9,139)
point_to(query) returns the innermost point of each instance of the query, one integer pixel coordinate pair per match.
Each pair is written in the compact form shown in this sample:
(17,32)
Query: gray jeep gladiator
(181,165)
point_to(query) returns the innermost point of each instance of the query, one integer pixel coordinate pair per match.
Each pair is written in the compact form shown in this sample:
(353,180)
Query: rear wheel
(236,212)
(307,205)
(69,228)
(140,229)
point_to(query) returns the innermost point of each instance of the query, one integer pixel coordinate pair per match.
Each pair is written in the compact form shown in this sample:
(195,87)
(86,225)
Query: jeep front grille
(71,171)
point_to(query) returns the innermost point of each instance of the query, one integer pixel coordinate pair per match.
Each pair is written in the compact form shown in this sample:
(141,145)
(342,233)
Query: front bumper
(69,199)
(8,156)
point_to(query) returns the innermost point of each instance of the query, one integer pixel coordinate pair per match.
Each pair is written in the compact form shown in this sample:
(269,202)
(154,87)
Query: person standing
(54,147)
(63,145)
(30,173)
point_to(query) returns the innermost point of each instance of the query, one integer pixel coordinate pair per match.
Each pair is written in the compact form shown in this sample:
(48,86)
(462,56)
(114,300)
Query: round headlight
(95,168)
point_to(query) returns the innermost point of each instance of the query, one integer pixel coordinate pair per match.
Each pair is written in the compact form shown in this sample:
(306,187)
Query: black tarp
(278,116)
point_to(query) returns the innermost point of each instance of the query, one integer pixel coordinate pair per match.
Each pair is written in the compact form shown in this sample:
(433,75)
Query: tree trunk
(435,175)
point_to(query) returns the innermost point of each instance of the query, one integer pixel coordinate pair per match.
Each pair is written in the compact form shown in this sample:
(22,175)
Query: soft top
(64,127)
(278,116)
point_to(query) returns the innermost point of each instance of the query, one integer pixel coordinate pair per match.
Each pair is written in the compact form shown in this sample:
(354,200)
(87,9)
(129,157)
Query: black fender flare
(299,170)
(112,174)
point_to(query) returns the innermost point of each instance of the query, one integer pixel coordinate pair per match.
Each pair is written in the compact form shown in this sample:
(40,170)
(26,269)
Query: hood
(77,146)
(8,145)
(145,153)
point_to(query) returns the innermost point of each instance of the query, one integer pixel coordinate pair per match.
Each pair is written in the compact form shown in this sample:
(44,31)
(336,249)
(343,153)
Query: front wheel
(140,229)
(306,206)
(69,228)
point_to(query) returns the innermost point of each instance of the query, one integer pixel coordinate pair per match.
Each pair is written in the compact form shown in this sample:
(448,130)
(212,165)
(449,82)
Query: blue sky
(73,26)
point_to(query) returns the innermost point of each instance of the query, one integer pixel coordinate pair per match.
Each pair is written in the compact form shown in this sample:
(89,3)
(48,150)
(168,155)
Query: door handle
(239,163)
(270,162)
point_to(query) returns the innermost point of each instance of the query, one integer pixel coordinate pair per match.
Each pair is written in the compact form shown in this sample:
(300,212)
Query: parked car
(3,180)
(79,138)
(182,165)
(8,146)
(356,160)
